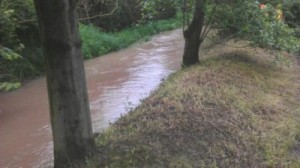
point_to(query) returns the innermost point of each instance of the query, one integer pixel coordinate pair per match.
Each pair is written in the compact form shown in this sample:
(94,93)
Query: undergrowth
(235,109)
(97,42)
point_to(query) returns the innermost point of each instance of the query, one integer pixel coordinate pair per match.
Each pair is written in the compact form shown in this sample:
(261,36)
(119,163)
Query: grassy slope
(235,109)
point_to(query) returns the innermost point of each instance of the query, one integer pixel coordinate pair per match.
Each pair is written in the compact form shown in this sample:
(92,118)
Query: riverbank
(25,132)
(238,108)
(95,43)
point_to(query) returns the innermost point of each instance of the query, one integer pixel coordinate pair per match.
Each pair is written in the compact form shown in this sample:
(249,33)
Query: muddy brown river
(116,83)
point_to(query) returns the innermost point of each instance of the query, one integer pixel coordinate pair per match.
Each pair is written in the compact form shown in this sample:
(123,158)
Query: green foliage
(244,19)
(16,28)
(8,54)
(276,35)
(97,42)
(158,9)
(8,86)
(12,14)
(7,79)
(8,25)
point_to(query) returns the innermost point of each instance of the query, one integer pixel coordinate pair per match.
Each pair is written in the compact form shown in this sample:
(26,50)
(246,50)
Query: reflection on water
(115,81)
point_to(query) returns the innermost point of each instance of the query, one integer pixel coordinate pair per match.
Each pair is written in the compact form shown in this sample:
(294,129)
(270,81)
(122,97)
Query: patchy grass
(237,108)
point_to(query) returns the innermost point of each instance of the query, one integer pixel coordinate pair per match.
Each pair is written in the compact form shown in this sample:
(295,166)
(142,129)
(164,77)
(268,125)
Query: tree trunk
(70,114)
(192,35)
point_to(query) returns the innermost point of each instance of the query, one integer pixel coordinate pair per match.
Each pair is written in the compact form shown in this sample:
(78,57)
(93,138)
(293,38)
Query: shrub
(245,20)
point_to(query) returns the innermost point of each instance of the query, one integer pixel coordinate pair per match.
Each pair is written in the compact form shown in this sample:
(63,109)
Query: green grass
(97,42)
(235,109)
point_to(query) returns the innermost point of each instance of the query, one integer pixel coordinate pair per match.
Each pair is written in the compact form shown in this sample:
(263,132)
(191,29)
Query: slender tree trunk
(192,35)
(70,113)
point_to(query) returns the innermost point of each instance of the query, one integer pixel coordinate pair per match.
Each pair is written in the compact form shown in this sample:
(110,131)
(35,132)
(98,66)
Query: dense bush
(244,19)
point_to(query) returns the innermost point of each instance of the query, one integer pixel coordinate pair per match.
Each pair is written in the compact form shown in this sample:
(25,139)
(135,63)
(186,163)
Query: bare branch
(26,21)
(103,15)
(208,25)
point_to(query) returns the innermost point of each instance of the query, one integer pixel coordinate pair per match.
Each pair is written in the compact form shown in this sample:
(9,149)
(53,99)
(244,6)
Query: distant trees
(70,114)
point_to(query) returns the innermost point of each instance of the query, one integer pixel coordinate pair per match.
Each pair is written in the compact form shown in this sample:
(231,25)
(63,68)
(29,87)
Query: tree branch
(81,19)
(102,15)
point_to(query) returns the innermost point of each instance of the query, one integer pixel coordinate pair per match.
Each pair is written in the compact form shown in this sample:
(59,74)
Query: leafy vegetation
(156,9)
(97,42)
(235,109)
(6,56)
(263,27)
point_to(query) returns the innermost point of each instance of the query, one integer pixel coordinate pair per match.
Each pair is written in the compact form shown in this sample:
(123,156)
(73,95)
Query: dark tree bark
(67,90)
(192,35)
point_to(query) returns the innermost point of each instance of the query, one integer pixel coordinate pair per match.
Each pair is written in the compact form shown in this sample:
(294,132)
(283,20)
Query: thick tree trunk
(70,113)
(192,35)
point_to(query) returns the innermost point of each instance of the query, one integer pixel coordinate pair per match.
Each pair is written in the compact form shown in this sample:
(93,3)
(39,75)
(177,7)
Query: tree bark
(68,100)
(192,35)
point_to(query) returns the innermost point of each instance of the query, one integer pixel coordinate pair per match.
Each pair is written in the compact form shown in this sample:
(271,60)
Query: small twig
(81,19)
(26,21)
(210,21)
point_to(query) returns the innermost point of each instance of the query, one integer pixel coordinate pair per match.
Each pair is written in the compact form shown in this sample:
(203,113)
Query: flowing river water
(116,82)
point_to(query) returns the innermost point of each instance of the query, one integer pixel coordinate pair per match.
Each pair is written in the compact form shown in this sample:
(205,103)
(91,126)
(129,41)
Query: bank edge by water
(235,109)
(114,81)
(97,43)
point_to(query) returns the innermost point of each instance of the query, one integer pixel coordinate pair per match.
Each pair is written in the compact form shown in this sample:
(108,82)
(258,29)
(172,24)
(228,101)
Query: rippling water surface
(116,82)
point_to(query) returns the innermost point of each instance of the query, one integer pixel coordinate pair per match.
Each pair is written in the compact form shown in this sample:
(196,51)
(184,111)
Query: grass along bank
(97,42)
(238,108)
(94,43)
